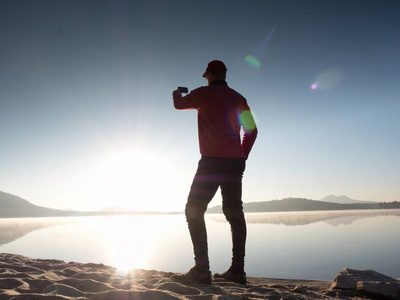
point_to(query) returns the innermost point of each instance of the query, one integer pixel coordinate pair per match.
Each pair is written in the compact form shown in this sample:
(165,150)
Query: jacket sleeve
(250,131)
(190,101)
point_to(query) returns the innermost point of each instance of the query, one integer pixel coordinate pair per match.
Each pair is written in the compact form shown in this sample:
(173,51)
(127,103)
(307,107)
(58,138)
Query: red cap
(215,66)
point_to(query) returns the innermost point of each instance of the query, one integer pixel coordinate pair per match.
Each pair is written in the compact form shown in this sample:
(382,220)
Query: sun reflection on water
(132,240)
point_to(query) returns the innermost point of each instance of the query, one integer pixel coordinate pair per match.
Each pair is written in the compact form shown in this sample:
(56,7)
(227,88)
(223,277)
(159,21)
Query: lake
(293,245)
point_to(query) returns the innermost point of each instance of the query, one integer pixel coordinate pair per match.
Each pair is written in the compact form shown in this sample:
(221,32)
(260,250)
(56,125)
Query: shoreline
(22,277)
(77,214)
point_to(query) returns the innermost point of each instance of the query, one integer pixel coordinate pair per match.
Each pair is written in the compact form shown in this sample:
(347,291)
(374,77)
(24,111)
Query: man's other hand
(176,93)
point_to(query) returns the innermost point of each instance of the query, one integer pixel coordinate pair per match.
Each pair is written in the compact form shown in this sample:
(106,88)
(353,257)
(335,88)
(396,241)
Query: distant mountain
(301,204)
(342,200)
(12,206)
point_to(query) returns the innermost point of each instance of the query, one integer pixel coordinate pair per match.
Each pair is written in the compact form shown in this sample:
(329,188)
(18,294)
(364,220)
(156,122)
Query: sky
(87,119)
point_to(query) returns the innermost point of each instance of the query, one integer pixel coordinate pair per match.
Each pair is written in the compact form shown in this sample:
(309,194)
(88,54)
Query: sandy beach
(27,278)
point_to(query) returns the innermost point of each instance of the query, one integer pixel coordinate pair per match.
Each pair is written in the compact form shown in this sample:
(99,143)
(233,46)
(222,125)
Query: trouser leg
(233,210)
(232,206)
(201,193)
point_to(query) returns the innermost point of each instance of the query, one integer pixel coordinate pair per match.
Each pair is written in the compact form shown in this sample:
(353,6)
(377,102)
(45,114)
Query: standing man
(222,113)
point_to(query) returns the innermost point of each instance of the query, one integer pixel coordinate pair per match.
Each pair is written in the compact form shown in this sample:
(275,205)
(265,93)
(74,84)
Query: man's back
(219,111)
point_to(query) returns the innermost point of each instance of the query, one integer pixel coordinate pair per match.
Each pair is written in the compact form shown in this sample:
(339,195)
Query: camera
(183,89)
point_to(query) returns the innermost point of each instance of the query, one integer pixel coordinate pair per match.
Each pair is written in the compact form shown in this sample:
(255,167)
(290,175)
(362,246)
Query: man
(222,113)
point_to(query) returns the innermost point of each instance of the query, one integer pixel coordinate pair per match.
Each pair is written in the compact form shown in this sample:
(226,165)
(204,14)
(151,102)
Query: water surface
(296,245)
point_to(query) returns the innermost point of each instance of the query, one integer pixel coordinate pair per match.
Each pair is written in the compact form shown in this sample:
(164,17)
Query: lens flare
(252,61)
(246,119)
(327,79)
(258,53)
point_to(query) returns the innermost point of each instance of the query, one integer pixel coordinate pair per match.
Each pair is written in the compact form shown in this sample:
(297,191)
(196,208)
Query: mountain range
(302,204)
(12,206)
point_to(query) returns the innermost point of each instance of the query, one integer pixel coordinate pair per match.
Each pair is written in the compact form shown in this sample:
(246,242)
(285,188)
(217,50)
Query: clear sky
(87,119)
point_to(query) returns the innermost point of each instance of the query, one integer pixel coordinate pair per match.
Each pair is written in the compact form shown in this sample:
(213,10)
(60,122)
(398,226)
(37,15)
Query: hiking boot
(239,277)
(194,275)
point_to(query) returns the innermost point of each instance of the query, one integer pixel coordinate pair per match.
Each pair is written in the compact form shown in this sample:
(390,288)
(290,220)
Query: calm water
(297,245)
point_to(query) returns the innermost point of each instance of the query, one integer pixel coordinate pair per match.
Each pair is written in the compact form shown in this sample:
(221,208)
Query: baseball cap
(215,66)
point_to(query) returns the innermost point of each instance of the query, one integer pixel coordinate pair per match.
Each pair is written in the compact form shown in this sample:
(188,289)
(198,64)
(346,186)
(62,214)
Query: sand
(26,278)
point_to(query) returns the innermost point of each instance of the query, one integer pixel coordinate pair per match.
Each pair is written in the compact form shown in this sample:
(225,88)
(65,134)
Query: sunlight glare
(128,252)
(131,178)
(135,239)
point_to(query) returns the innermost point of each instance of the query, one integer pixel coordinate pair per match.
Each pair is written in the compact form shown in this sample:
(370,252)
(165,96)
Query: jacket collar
(222,82)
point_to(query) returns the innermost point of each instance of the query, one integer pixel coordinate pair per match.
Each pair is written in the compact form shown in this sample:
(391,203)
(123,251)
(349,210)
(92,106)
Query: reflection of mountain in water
(347,220)
(333,218)
(13,229)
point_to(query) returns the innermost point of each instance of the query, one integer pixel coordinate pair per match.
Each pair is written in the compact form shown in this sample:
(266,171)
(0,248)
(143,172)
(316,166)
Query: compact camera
(183,89)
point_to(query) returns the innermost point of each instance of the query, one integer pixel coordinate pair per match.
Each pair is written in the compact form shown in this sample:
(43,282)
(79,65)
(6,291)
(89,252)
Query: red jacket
(222,112)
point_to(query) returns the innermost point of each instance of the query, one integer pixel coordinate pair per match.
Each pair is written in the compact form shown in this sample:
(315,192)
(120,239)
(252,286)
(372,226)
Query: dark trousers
(211,174)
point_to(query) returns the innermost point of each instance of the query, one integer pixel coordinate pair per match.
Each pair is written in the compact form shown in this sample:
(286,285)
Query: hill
(15,207)
(12,206)
(342,200)
(301,204)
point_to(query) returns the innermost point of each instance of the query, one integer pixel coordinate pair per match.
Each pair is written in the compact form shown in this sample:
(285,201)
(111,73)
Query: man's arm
(186,102)
(250,131)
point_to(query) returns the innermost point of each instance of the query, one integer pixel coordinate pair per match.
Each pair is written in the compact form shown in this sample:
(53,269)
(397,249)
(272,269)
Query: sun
(134,179)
